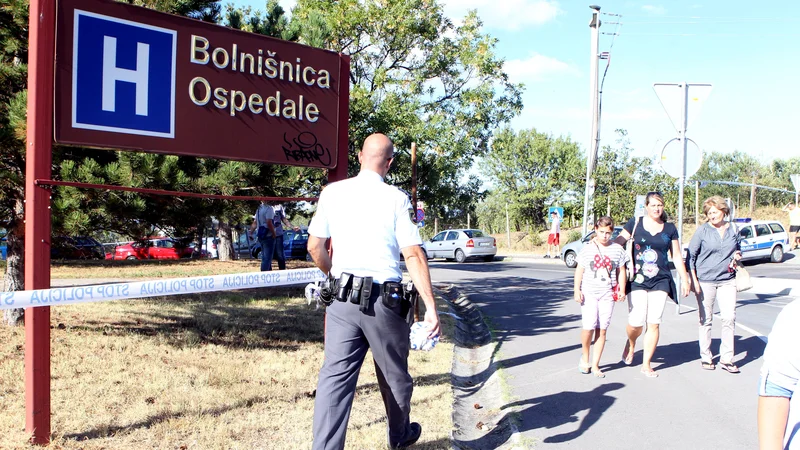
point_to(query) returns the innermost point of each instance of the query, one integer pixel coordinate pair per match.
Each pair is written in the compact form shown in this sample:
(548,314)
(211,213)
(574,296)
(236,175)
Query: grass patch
(159,268)
(234,369)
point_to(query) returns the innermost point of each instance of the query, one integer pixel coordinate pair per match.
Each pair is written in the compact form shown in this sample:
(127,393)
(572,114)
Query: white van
(762,239)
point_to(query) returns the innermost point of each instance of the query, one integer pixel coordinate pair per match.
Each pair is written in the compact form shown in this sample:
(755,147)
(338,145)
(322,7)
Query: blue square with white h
(123,77)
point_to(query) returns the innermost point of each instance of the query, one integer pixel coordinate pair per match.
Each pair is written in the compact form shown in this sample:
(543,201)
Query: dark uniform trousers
(348,336)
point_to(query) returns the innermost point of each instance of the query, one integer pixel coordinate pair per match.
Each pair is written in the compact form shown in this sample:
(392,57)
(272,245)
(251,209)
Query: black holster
(410,297)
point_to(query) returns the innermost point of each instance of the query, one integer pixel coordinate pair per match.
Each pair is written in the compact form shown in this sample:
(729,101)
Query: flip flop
(707,365)
(627,355)
(649,373)
(584,368)
(599,373)
(729,367)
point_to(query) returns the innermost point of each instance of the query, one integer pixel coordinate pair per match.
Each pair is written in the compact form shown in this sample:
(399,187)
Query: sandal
(627,355)
(707,365)
(649,373)
(729,367)
(598,373)
(584,368)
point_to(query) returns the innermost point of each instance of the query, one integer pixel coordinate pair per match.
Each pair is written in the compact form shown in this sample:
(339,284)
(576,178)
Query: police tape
(156,288)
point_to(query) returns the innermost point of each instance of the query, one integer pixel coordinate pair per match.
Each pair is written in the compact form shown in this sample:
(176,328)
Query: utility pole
(591,157)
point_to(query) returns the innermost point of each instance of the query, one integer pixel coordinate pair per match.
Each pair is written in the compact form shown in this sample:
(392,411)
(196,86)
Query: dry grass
(232,370)
(158,268)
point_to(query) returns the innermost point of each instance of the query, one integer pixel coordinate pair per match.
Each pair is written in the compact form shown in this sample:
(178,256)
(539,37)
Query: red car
(156,248)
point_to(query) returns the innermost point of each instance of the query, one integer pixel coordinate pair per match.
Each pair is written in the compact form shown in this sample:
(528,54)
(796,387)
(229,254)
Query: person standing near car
(368,255)
(653,239)
(278,221)
(265,233)
(553,239)
(713,251)
(794,223)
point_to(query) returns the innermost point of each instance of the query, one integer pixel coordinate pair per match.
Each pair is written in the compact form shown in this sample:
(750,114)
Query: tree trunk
(15,271)
(225,245)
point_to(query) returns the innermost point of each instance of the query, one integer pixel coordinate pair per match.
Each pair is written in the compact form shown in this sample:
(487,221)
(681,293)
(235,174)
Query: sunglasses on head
(654,193)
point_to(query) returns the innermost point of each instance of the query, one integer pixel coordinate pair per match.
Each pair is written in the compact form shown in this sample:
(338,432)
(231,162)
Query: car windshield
(474,233)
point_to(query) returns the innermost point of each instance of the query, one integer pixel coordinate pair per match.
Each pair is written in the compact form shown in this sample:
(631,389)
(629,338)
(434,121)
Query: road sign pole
(682,178)
(41,58)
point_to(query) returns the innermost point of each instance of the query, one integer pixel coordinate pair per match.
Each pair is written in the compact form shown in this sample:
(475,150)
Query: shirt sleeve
(781,356)
(406,231)
(319,223)
(584,257)
(629,226)
(694,247)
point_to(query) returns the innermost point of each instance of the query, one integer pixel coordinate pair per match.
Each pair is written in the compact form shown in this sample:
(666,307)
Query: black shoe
(415,431)
(558,256)
(546,256)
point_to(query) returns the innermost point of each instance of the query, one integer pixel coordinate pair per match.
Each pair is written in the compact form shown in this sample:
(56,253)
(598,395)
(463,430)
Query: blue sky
(747,50)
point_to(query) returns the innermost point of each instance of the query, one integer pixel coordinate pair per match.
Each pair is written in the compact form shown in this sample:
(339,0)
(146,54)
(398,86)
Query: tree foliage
(417,77)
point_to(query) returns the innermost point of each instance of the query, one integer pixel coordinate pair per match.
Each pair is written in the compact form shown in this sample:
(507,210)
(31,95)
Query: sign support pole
(39,143)
(340,171)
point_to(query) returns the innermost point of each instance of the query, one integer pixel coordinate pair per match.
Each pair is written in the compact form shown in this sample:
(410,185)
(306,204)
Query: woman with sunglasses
(713,250)
(653,238)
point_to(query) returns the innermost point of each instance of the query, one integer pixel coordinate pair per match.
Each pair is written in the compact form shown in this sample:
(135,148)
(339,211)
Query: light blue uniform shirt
(368,222)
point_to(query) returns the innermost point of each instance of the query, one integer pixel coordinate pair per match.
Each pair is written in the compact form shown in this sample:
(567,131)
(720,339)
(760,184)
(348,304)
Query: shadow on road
(554,410)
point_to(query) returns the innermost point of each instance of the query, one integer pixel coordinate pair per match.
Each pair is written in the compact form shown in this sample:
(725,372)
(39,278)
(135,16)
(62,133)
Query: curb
(478,418)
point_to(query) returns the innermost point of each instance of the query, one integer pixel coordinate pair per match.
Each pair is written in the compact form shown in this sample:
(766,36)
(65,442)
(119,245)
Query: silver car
(460,245)
(569,252)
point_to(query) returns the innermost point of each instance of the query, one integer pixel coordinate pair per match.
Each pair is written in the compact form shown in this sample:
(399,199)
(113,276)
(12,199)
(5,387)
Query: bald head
(376,154)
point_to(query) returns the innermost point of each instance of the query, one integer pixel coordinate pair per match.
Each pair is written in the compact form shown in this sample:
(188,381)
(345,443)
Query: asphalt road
(530,309)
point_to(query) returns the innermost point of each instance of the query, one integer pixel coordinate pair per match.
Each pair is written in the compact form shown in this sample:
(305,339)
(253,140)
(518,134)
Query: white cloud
(287,5)
(506,14)
(655,10)
(535,68)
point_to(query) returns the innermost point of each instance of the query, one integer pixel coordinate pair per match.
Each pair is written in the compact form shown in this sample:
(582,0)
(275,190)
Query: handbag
(743,281)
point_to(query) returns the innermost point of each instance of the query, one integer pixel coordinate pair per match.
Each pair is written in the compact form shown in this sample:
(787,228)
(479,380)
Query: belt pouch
(355,292)
(343,287)
(366,292)
(392,294)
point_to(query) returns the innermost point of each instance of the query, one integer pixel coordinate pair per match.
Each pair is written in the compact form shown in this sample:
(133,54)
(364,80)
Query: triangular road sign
(672,99)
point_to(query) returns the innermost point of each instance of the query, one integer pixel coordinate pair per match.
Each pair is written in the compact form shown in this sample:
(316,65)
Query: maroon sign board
(131,78)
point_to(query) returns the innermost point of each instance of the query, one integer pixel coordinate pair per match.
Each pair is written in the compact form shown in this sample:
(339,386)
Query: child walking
(599,282)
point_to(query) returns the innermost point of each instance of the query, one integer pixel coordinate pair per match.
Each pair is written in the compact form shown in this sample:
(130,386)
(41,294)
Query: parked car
(461,244)
(155,248)
(76,247)
(3,249)
(762,239)
(295,245)
(569,252)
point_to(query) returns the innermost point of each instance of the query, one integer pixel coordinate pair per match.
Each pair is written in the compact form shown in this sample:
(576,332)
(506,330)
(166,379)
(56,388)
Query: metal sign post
(39,143)
(682,102)
(796,182)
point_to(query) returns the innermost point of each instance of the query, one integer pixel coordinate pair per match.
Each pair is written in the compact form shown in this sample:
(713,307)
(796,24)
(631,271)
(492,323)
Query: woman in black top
(653,239)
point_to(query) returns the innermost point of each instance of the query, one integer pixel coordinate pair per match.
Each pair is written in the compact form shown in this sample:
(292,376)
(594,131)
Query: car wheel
(131,257)
(488,258)
(777,254)
(571,260)
(460,256)
(308,257)
(257,254)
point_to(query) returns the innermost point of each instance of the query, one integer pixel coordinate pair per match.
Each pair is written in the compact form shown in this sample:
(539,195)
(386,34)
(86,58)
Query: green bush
(573,236)
(536,239)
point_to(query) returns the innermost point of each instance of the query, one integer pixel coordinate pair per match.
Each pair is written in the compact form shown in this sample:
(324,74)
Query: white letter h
(112,74)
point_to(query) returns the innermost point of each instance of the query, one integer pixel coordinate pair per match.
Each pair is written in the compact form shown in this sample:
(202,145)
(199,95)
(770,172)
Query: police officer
(369,224)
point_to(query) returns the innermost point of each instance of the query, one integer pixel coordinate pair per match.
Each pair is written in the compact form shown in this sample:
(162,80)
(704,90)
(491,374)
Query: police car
(762,239)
